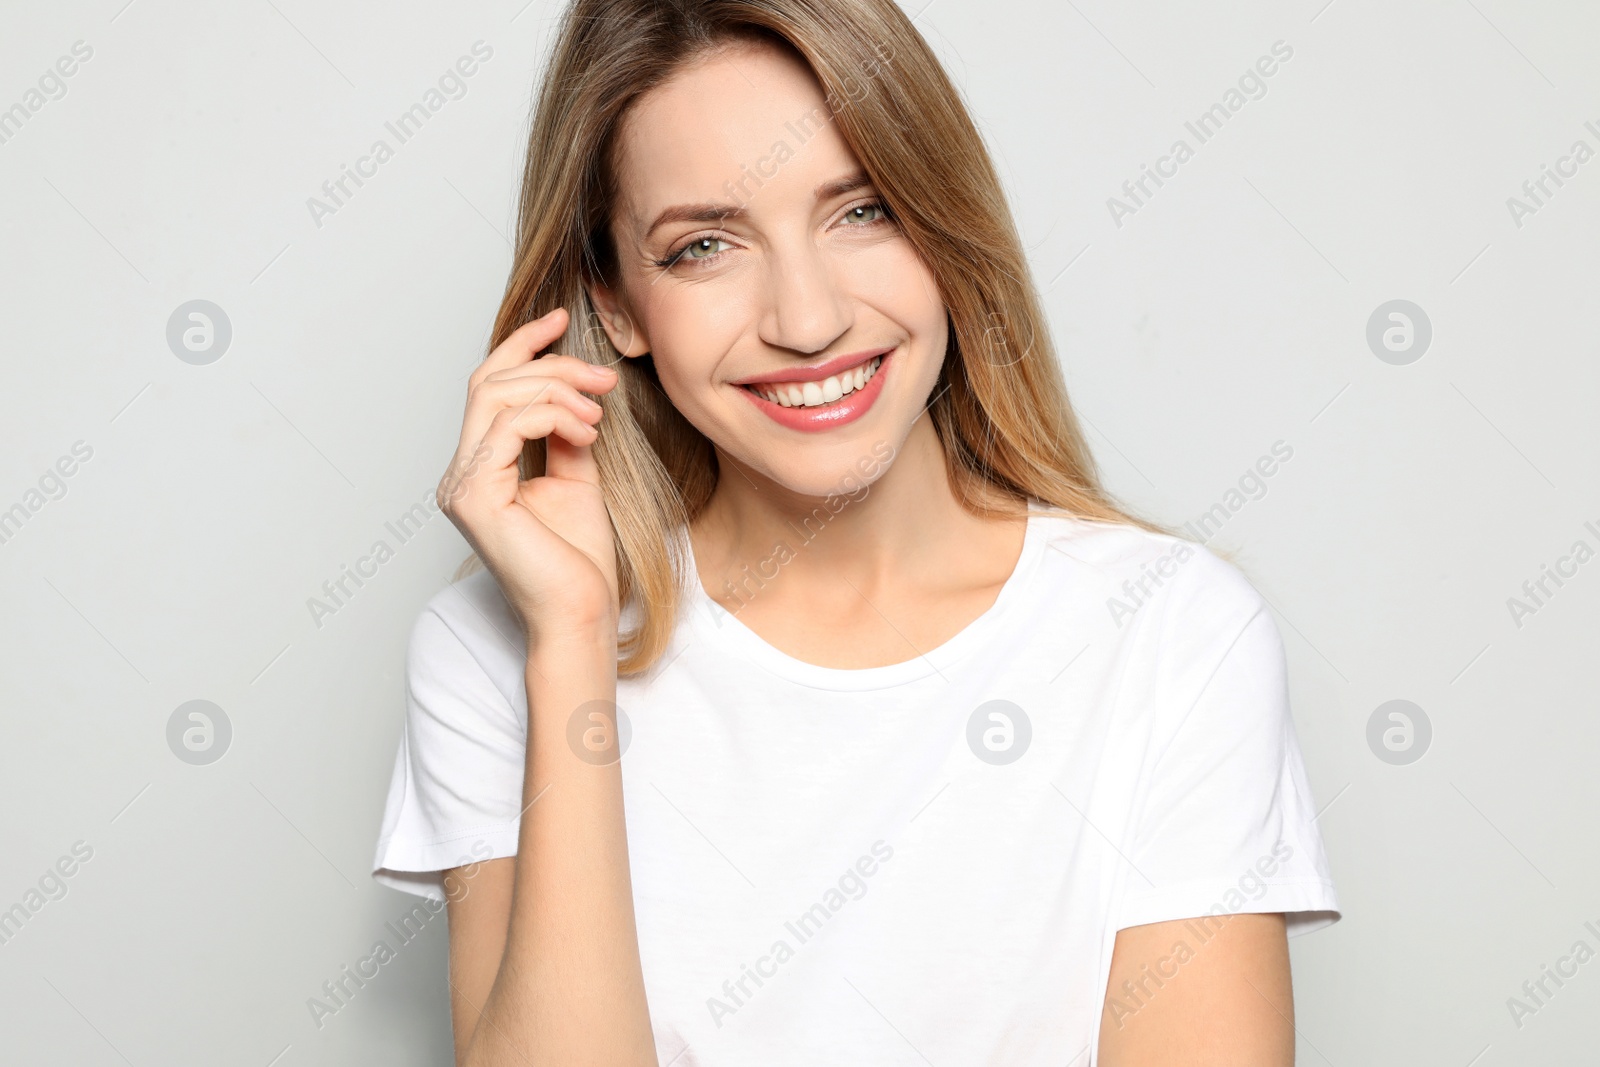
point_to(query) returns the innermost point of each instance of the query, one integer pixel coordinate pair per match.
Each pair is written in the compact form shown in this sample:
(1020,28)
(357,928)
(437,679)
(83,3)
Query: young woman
(816,704)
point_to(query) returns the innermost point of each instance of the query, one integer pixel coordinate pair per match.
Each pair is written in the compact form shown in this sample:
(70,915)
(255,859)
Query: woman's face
(751,245)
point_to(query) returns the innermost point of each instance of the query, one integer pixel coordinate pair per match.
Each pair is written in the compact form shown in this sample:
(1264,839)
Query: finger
(525,342)
(578,373)
(488,476)
(489,398)
(492,481)
(575,373)
(566,459)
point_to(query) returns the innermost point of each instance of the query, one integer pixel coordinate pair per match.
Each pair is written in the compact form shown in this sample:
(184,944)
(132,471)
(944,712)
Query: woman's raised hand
(547,540)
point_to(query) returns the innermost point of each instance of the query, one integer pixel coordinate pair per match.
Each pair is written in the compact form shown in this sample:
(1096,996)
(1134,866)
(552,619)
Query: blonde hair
(1000,406)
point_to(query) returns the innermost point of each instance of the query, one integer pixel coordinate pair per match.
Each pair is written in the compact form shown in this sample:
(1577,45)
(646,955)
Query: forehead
(734,111)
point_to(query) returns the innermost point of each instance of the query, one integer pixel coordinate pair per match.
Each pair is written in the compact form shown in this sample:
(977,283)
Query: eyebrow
(722,212)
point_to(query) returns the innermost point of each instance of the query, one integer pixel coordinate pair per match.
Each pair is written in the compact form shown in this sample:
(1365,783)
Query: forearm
(569,988)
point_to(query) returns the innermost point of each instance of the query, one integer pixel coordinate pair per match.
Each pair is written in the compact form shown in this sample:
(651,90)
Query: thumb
(563,459)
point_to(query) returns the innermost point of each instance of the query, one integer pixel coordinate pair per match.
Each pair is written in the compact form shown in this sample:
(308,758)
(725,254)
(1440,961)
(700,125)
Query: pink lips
(845,410)
(815,372)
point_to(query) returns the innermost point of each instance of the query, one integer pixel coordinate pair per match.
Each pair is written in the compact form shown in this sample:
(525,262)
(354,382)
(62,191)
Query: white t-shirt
(926,861)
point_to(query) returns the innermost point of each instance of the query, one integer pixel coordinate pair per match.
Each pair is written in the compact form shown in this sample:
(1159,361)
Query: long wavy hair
(1000,406)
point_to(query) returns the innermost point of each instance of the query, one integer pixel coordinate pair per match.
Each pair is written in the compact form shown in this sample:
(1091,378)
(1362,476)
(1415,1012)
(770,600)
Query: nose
(805,311)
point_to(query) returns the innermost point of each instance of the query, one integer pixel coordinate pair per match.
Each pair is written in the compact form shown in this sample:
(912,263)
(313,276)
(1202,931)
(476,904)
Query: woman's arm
(550,962)
(544,957)
(479,911)
(1200,993)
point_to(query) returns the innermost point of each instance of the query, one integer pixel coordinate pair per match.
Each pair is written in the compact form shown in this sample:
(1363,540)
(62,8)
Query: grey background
(1227,314)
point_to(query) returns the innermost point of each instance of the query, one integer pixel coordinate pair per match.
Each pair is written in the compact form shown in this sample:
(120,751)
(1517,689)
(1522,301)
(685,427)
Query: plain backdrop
(1228,312)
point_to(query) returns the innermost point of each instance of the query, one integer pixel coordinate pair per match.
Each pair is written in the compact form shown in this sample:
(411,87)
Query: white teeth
(813,394)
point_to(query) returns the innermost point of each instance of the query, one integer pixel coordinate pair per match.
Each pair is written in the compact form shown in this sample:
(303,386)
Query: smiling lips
(820,403)
(826,391)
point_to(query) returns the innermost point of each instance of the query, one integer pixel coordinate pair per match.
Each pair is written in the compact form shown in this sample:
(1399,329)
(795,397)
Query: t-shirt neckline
(723,629)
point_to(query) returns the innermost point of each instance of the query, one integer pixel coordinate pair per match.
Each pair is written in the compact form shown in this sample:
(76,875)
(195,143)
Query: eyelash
(671,259)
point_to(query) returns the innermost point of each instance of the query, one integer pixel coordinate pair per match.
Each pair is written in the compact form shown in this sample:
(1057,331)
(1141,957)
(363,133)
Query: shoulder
(1197,642)
(1158,579)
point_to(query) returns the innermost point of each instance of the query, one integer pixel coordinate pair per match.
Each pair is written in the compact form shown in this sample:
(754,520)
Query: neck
(907,521)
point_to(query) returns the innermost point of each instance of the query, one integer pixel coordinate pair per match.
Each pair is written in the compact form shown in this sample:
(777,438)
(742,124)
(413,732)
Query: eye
(701,248)
(862,214)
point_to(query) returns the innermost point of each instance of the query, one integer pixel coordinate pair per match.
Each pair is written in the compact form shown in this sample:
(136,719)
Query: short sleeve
(455,795)
(1226,825)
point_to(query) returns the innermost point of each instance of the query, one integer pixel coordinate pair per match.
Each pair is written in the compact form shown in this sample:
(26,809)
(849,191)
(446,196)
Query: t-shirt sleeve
(1227,820)
(455,795)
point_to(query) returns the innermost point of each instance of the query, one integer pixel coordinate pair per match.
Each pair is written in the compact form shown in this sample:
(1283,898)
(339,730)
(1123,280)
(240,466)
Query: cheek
(894,281)
(691,328)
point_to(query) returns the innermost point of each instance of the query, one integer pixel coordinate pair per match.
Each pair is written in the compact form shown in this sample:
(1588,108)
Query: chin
(847,471)
(847,486)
